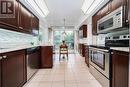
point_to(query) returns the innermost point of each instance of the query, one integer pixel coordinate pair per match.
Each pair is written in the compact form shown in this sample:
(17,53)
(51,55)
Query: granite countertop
(4,50)
(9,49)
(125,49)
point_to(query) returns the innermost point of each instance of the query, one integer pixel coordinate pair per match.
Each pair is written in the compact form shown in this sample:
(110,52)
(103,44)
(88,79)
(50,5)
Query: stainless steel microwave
(111,21)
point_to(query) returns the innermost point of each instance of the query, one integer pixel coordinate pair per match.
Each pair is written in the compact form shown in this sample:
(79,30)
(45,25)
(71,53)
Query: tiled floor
(71,73)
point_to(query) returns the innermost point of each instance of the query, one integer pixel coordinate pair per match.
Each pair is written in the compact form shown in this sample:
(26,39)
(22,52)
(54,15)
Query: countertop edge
(19,48)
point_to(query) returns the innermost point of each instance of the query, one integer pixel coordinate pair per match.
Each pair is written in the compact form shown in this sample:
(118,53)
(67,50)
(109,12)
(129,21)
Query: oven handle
(96,49)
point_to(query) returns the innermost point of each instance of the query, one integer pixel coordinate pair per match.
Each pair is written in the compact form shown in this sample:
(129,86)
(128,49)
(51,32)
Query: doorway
(59,36)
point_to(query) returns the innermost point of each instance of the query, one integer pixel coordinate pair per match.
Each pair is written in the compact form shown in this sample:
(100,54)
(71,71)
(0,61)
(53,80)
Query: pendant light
(64,28)
(64,33)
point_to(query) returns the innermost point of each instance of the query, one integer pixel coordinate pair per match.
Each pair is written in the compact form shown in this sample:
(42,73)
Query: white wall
(89,32)
(43,32)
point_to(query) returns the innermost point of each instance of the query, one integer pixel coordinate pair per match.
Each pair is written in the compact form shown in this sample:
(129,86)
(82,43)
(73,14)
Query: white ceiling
(60,9)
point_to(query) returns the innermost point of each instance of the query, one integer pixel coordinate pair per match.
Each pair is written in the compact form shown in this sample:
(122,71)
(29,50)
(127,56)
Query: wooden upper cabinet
(83,28)
(35,23)
(24,19)
(95,18)
(105,10)
(116,4)
(12,22)
(84,31)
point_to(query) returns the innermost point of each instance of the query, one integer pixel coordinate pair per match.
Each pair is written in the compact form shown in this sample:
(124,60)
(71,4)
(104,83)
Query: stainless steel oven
(100,65)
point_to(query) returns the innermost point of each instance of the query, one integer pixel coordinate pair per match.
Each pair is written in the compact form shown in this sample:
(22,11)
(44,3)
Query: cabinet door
(87,55)
(12,22)
(24,20)
(84,31)
(13,69)
(116,4)
(95,18)
(46,57)
(120,64)
(105,10)
(35,23)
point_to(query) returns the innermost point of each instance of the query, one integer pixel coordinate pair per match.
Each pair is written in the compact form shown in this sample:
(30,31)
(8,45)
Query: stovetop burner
(101,46)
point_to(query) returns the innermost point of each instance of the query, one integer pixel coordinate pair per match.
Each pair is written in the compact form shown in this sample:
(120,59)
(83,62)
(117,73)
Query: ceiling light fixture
(39,6)
(89,5)
(64,33)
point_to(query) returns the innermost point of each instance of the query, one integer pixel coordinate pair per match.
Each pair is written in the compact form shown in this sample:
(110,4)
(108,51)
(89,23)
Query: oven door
(99,59)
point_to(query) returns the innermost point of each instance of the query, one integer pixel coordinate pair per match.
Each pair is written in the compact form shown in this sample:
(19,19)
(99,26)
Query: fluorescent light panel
(42,6)
(39,6)
(90,5)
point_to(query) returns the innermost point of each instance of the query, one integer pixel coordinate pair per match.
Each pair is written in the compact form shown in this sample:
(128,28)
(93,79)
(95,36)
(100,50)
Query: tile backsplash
(11,38)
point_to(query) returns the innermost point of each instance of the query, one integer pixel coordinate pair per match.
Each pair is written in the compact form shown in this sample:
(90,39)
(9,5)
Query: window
(68,36)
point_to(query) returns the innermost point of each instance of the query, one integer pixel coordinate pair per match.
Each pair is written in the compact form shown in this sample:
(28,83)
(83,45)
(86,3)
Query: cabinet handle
(108,12)
(4,57)
(0,57)
(127,21)
(21,27)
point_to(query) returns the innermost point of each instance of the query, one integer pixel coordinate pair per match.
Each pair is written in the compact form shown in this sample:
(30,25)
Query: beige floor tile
(46,84)
(84,85)
(34,84)
(71,73)
(58,84)
(94,83)
(71,85)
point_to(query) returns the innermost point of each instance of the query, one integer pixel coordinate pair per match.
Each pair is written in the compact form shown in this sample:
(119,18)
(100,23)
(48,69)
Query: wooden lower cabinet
(86,55)
(46,56)
(81,49)
(13,69)
(120,69)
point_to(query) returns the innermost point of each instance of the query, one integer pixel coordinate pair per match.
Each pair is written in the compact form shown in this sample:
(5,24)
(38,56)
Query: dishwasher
(32,61)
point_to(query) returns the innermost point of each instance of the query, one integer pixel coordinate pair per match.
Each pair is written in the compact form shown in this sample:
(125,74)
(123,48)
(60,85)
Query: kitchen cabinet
(34,23)
(86,55)
(83,31)
(13,69)
(46,56)
(95,18)
(116,4)
(120,67)
(24,19)
(81,49)
(12,22)
(105,10)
